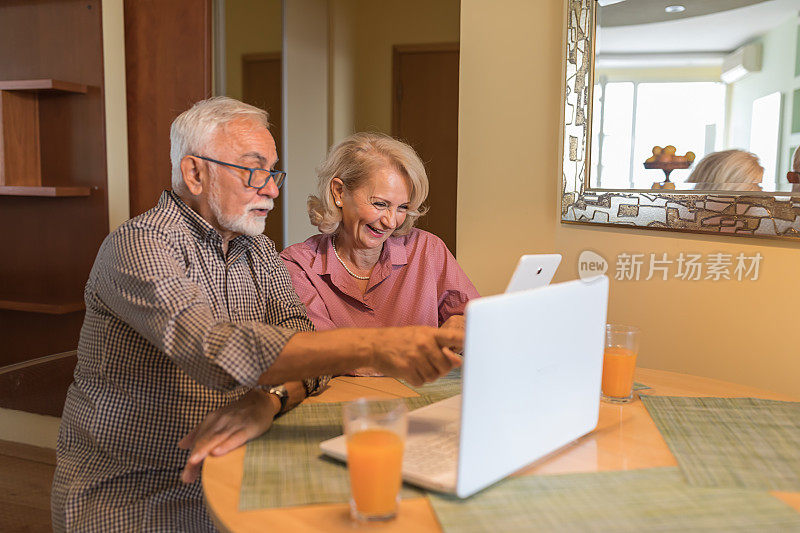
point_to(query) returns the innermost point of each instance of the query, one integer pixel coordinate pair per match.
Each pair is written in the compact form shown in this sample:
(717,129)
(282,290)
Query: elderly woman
(369,266)
(728,170)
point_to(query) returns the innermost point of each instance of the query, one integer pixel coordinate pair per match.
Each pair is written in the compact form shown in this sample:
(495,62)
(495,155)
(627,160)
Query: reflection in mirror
(696,95)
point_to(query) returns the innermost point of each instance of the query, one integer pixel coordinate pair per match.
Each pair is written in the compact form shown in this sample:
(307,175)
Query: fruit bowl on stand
(667,167)
(667,160)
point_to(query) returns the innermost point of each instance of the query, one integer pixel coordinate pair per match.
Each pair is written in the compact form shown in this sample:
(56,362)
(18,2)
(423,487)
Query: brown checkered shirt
(174,329)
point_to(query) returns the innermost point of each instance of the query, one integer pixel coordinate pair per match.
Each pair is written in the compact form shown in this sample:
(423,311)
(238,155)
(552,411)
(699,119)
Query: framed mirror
(681,115)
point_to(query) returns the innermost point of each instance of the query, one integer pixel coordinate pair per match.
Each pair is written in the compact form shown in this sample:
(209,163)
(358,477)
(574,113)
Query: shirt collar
(198,226)
(393,254)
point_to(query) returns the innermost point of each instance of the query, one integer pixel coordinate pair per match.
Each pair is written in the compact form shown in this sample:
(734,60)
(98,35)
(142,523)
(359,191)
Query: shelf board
(43,85)
(14,190)
(60,308)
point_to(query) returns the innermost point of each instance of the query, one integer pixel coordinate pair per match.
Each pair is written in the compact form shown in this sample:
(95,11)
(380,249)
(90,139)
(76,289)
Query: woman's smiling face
(372,212)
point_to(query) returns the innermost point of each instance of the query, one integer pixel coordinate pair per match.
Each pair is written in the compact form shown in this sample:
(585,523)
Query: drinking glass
(376,432)
(619,362)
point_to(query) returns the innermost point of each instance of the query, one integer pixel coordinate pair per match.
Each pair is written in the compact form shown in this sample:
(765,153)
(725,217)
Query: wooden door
(262,87)
(425,115)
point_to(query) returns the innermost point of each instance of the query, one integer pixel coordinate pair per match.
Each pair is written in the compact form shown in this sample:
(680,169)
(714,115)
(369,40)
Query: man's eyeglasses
(259,177)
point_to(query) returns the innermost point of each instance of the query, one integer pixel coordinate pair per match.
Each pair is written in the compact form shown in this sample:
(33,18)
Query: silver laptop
(533,271)
(530,385)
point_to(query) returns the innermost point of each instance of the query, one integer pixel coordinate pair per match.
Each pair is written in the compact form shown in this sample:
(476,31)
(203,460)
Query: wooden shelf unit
(43,85)
(51,64)
(20,126)
(47,192)
(60,308)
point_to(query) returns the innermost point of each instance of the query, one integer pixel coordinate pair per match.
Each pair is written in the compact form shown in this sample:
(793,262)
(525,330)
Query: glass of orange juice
(619,362)
(376,432)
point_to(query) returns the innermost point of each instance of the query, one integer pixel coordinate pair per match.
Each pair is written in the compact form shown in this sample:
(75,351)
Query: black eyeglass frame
(277,176)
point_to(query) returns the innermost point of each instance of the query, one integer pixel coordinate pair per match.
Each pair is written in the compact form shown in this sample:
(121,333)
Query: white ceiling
(630,12)
(722,31)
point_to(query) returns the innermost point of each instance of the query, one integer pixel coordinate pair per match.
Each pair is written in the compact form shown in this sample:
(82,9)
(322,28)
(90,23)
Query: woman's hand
(228,428)
(458,323)
(455,321)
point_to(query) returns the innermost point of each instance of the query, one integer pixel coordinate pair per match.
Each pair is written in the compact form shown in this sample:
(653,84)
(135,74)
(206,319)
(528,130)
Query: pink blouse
(416,281)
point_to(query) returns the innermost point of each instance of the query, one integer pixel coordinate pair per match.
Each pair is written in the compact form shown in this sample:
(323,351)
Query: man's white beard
(247,223)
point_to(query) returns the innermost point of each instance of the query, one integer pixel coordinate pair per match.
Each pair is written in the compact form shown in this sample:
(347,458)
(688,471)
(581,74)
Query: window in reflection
(614,125)
(687,115)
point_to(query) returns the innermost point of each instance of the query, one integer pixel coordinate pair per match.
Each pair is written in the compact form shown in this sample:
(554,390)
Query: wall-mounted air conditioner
(742,62)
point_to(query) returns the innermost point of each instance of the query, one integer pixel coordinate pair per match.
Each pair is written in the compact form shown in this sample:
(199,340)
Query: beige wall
(251,27)
(509,101)
(363,33)
(511,110)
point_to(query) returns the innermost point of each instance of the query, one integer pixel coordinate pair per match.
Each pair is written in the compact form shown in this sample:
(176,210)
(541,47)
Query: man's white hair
(195,127)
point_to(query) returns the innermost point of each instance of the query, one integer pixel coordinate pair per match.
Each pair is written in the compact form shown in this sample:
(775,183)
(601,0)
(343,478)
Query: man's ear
(190,169)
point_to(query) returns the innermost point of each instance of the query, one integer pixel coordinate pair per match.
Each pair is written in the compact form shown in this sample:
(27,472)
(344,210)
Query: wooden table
(625,439)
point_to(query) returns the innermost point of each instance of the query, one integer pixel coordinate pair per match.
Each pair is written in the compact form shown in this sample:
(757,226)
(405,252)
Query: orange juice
(618,366)
(374,459)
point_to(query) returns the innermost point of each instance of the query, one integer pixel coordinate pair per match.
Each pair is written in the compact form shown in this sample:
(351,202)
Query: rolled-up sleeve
(151,292)
(454,287)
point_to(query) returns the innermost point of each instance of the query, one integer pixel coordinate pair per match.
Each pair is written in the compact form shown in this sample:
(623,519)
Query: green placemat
(656,499)
(284,467)
(442,388)
(450,385)
(732,442)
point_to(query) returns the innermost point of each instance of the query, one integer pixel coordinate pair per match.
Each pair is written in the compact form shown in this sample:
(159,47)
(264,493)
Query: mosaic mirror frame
(775,215)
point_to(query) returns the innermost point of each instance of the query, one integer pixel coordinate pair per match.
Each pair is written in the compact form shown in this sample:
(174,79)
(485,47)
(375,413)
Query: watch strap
(279,391)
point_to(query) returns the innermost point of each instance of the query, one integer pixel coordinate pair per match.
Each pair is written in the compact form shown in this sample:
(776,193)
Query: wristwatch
(282,394)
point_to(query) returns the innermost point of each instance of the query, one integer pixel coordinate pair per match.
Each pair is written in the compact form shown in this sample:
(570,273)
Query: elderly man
(191,320)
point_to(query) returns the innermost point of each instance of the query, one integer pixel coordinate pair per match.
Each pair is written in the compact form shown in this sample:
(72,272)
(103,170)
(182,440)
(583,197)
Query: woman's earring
(338,203)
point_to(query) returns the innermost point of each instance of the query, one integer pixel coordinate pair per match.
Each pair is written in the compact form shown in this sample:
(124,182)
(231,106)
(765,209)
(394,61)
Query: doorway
(425,115)
(262,87)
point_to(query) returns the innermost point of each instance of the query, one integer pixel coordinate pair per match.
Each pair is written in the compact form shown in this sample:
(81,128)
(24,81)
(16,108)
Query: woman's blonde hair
(356,158)
(728,170)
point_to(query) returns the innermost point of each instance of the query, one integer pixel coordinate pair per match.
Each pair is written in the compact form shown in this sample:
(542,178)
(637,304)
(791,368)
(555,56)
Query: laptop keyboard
(433,453)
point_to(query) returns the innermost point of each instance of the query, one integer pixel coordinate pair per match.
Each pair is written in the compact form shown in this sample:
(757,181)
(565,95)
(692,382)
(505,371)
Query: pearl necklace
(333,242)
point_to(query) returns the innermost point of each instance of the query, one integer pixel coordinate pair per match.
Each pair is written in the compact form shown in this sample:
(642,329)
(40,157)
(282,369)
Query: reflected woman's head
(728,170)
